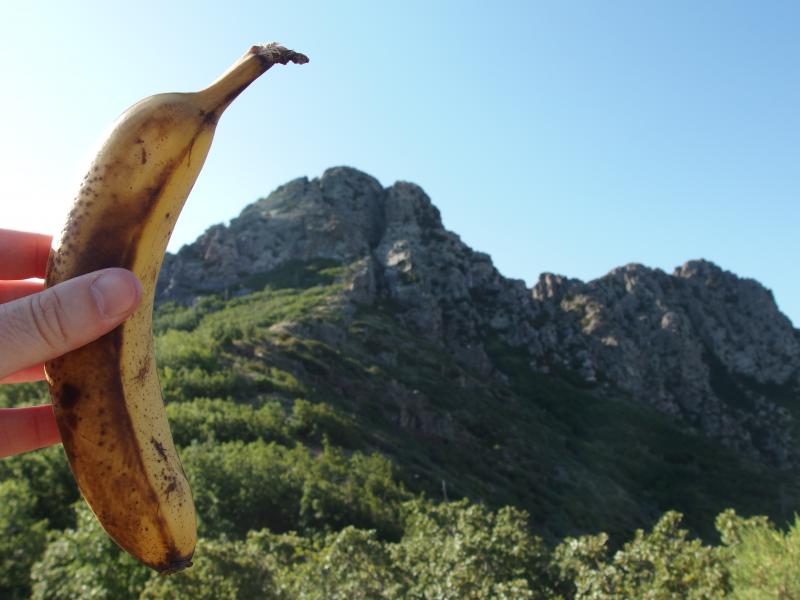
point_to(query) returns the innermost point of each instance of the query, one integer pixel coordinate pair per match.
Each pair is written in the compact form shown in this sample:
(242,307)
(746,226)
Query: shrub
(315,421)
(460,550)
(660,565)
(763,561)
(239,487)
(224,420)
(84,563)
(222,570)
(352,563)
(22,537)
(49,479)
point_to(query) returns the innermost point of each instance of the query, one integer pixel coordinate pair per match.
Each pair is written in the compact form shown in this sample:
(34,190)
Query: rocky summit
(700,344)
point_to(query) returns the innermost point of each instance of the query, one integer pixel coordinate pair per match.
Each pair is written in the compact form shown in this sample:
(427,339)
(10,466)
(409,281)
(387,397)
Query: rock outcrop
(700,344)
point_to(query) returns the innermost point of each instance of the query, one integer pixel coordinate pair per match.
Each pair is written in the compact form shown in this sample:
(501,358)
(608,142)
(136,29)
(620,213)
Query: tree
(352,563)
(85,563)
(222,570)
(661,565)
(50,480)
(22,537)
(460,550)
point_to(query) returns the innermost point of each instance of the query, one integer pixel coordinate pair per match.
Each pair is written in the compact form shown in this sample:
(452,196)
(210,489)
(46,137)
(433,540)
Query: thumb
(66,316)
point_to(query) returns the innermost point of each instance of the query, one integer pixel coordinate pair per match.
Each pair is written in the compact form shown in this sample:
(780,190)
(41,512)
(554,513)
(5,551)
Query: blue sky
(569,137)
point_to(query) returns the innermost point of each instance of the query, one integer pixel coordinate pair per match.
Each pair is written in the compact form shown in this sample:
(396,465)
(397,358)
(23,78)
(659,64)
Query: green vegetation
(335,454)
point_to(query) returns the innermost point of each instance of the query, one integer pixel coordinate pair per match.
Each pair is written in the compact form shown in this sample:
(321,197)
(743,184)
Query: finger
(64,317)
(23,254)
(26,429)
(11,290)
(35,373)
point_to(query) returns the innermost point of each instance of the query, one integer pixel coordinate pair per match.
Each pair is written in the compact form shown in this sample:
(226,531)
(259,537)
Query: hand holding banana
(37,325)
(106,395)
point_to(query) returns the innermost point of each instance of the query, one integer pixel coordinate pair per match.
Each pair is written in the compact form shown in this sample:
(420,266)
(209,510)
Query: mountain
(365,407)
(702,345)
(648,390)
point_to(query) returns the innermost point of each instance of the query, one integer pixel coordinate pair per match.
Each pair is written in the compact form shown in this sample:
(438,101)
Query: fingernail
(116,292)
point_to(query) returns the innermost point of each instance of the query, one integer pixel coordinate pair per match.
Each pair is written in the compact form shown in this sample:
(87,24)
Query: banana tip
(174,567)
(273,52)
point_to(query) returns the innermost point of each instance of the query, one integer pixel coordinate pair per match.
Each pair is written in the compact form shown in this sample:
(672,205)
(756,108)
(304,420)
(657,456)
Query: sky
(567,136)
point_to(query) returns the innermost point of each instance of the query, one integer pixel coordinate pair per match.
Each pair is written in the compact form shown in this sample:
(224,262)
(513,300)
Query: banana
(106,395)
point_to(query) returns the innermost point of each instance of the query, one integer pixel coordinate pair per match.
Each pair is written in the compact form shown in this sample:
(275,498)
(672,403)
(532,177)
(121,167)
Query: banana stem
(257,60)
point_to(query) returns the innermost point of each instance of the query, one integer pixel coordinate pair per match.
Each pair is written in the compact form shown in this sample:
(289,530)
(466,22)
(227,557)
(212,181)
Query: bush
(358,490)
(239,487)
(85,563)
(185,383)
(22,537)
(460,550)
(316,421)
(49,479)
(170,315)
(352,563)
(205,419)
(222,570)
(764,562)
(176,348)
(660,565)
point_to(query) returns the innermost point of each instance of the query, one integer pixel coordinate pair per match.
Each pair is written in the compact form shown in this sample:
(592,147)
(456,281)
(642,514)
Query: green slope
(576,462)
(321,440)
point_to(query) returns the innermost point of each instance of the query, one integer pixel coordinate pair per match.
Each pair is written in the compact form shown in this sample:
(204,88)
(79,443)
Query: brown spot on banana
(67,396)
(159,447)
(141,374)
(88,459)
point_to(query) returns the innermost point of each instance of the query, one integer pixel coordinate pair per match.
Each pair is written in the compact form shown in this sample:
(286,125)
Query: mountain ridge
(702,345)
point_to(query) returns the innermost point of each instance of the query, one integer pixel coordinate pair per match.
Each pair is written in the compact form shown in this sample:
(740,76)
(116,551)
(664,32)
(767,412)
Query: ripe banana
(106,395)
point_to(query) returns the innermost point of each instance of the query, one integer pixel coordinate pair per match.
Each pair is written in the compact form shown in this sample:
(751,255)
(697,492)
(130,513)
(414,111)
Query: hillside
(364,403)
(654,391)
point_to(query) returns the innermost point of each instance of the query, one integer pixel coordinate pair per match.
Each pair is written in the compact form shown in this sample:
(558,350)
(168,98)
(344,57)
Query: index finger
(23,254)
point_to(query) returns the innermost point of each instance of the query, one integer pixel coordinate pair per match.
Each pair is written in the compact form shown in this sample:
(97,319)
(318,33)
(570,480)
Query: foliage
(84,563)
(179,348)
(762,559)
(22,537)
(175,316)
(49,479)
(318,421)
(224,420)
(661,565)
(194,382)
(222,570)
(352,563)
(317,443)
(23,394)
(462,550)
(242,486)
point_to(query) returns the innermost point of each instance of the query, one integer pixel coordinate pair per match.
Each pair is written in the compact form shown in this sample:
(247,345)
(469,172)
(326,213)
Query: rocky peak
(553,288)
(740,323)
(338,216)
(701,344)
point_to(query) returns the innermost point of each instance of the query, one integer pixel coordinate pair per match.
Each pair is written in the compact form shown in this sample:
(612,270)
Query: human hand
(37,325)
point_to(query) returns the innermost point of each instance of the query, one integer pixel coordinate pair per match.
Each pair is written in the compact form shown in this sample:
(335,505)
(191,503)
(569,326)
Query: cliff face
(700,344)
